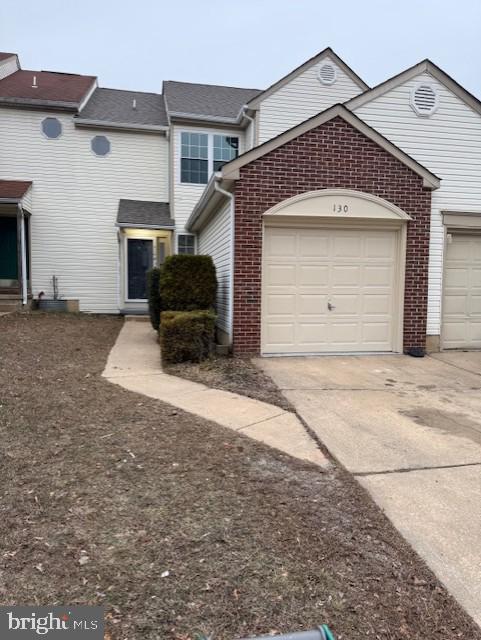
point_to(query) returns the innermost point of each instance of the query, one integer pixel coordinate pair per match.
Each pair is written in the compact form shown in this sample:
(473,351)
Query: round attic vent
(327,73)
(424,100)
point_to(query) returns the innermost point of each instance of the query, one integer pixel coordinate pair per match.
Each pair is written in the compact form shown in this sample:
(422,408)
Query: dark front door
(8,250)
(139,261)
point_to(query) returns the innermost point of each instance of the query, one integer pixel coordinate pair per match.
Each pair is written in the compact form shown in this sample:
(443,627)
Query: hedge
(153,295)
(188,282)
(186,336)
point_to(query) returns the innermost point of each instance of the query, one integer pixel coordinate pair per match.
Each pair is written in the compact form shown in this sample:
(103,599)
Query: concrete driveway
(410,431)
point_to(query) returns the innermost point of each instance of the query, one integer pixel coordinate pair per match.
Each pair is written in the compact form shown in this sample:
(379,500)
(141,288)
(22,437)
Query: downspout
(230,316)
(253,123)
(23,250)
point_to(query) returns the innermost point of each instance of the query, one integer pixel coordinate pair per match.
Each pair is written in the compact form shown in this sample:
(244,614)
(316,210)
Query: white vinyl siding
(75,198)
(300,99)
(215,240)
(8,66)
(185,196)
(448,143)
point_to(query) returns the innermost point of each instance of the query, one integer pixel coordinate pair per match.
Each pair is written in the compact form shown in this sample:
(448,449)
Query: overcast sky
(247,43)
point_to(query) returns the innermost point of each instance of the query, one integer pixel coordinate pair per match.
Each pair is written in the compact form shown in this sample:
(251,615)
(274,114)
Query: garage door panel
(310,274)
(312,304)
(378,275)
(313,335)
(313,246)
(281,274)
(379,247)
(377,334)
(280,304)
(354,272)
(461,327)
(376,304)
(281,245)
(345,276)
(456,277)
(347,246)
(280,333)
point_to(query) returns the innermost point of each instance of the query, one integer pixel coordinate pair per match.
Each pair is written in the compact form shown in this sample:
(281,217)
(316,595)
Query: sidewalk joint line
(360,474)
(263,420)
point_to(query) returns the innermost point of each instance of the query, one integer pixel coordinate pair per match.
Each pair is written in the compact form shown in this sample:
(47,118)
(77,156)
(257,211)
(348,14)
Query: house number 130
(340,208)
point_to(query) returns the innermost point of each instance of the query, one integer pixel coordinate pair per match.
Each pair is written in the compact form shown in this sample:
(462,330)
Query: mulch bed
(239,375)
(177,525)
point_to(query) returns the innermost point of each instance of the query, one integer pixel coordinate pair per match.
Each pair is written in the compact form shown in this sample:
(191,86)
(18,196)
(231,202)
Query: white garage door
(328,290)
(462,293)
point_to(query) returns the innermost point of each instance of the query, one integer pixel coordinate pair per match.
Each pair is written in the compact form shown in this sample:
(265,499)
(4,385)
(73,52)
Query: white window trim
(177,235)
(210,154)
(126,254)
(424,114)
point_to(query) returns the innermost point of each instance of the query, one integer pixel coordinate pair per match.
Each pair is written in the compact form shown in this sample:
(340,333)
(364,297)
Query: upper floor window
(194,163)
(51,127)
(226,148)
(203,153)
(100,145)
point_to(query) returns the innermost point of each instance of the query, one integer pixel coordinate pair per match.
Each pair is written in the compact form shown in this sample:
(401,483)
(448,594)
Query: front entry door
(139,261)
(8,251)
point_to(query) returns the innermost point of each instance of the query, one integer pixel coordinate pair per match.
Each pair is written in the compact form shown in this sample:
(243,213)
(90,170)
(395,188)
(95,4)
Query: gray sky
(247,43)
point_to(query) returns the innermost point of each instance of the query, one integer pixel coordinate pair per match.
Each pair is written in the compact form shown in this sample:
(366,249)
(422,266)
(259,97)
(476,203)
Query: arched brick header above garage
(333,155)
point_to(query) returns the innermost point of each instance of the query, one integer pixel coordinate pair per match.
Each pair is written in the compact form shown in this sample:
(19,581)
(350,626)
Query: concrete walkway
(134,363)
(410,431)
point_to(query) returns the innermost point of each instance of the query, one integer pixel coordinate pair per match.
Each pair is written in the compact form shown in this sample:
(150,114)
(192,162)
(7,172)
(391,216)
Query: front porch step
(13,303)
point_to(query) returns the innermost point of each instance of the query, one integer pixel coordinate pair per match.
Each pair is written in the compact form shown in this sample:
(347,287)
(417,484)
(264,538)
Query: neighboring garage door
(329,290)
(461,326)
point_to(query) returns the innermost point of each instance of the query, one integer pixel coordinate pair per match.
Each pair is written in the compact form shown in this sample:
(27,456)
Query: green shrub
(153,295)
(186,336)
(188,282)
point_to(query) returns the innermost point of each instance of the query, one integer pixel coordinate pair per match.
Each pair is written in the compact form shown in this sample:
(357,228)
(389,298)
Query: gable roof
(62,90)
(328,52)
(231,169)
(205,101)
(144,214)
(425,66)
(116,106)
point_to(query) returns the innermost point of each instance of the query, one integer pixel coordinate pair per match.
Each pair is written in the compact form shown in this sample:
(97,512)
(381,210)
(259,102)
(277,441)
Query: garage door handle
(330,306)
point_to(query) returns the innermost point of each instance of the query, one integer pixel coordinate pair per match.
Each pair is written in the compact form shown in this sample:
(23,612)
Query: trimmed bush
(188,282)
(186,336)
(153,295)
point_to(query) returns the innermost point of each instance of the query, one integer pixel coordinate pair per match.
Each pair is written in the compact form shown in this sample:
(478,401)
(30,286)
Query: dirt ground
(178,526)
(239,375)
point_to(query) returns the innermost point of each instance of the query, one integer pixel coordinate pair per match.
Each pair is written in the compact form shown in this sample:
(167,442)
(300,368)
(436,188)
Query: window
(100,145)
(203,153)
(194,164)
(186,244)
(226,148)
(51,128)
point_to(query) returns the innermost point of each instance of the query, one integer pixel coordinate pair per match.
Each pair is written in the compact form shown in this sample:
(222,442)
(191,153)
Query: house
(341,218)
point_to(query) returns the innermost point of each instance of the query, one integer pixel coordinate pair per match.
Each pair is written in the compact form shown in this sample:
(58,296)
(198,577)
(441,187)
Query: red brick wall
(332,155)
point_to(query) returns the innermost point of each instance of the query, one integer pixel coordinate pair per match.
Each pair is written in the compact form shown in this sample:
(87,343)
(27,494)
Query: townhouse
(341,218)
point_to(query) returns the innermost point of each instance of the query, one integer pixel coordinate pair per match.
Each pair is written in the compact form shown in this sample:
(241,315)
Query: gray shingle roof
(135,213)
(116,106)
(206,99)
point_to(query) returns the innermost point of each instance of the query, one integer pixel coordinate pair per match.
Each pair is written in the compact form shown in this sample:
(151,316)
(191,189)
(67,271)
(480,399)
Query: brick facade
(333,155)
